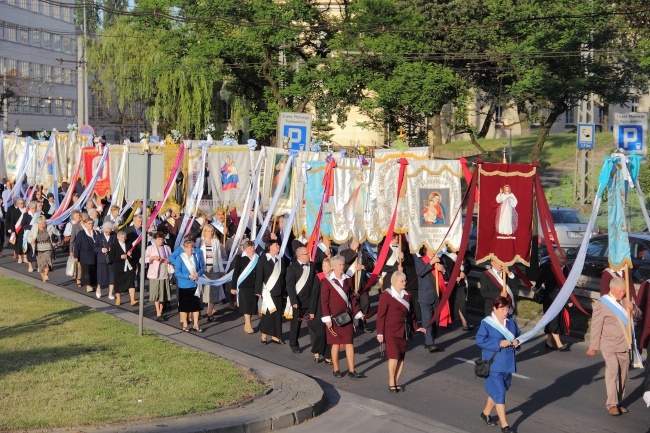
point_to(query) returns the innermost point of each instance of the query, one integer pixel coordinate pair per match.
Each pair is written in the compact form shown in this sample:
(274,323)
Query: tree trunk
(544,130)
(488,121)
(524,122)
(436,126)
(475,143)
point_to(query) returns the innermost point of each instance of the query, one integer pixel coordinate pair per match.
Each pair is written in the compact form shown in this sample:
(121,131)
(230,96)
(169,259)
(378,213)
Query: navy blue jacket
(489,339)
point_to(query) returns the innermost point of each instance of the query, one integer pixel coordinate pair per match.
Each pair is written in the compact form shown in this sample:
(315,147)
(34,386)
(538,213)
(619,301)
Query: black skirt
(247,301)
(187,302)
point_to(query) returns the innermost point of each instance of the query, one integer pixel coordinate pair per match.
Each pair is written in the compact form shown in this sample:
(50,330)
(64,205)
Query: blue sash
(621,315)
(247,270)
(508,336)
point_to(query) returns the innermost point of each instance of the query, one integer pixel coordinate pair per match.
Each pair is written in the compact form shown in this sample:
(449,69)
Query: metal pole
(143,242)
(85,119)
(510,157)
(5,102)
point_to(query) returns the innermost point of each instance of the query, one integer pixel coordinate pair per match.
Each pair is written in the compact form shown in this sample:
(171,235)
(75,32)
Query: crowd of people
(326,290)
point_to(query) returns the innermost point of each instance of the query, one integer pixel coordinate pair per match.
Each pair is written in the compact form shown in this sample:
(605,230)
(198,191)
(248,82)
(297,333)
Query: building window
(97,108)
(569,116)
(24,36)
(634,104)
(34,105)
(11,2)
(46,106)
(36,38)
(601,115)
(56,43)
(23,68)
(56,11)
(22,4)
(10,32)
(498,115)
(24,104)
(47,40)
(58,107)
(11,65)
(33,6)
(47,73)
(67,105)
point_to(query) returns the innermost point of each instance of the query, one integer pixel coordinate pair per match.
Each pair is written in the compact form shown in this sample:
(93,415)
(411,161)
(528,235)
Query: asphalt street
(552,392)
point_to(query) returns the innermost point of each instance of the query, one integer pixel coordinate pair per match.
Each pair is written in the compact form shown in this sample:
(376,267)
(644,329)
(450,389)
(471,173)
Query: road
(552,392)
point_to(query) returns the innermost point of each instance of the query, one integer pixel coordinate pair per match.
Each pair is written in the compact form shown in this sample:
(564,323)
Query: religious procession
(375,242)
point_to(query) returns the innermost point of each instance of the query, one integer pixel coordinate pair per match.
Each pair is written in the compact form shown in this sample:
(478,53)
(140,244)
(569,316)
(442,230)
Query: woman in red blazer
(394,308)
(337,297)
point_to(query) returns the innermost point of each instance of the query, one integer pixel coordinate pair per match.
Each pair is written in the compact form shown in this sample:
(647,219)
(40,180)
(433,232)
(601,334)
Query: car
(570,227)
(596,259)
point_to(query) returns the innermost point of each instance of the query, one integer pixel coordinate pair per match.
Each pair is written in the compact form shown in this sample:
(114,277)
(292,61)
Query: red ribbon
(547,223)
(328,183)
(383,255)
(467,174)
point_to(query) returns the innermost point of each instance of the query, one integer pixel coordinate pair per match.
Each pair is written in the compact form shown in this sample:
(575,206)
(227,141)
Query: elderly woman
(243,278)
(319,347)
(212,253)
(189,266)
(29,221)
(40,238)
(157,256)
(336,299)
(103,243)
(123,267)
(84,253)
(497,336)
(393,312)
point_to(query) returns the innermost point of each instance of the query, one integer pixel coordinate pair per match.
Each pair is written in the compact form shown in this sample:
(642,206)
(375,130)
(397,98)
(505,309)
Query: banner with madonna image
(351,210)
(434,196)
(314,191)
(276,161)
(229,170)
(14,153)
(383,191)
(505,213)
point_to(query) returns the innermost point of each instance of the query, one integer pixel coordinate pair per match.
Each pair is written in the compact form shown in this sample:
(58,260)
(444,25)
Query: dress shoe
(277,341)
(563,347)
(111,297)
(98,294)
(295,349)
(367,330)
(623,409)
(433,348)
(488,419)
(264,342)
(337,373)
(549,347)
(30,269)
(318,359)
(89,289)
(468,328)
(613,411)
(249,330)
(355,374)
(506,429)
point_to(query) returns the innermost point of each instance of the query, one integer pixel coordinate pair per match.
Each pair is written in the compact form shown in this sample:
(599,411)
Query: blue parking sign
(297,135)
(630,137)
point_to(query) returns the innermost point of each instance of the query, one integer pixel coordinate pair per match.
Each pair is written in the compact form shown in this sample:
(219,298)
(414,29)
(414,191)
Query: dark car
(596,259)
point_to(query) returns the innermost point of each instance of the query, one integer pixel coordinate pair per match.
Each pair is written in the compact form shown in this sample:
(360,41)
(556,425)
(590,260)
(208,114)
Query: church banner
(383,190)
(314,191)
(14,153)
(350,203)
(276,160)
(91,159)
(433,194)
(505,213)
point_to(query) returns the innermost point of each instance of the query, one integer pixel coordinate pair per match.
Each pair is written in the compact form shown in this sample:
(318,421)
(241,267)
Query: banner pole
(504,292)
(627,297)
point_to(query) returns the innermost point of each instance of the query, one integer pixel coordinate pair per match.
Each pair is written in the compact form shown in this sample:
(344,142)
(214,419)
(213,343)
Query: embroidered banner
(314,191)
(14,153)
(229,170)
(434,196)
(505,212)
(276,160)
(350,204)
(91,159)
(383,175)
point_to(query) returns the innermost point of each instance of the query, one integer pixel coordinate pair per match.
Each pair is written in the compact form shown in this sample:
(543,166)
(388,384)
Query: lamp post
(146,151)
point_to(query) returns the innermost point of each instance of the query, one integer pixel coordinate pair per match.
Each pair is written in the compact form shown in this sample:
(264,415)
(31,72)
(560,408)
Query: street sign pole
(143,241)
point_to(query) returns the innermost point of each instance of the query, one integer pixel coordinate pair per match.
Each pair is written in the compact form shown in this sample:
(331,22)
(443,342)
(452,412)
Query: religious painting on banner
(350,203)
(434,198)
(44,168)
(91,159)
(305,162)
(314,191)
(276,161)
(14,153)
(505,212)
(226,177)
(383,191)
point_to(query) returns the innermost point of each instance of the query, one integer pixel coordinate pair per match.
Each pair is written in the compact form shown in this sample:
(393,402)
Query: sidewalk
(293,400)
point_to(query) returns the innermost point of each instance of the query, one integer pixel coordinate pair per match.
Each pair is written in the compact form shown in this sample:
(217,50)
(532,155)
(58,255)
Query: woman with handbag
(157,256)
(395,325)
(105,277)
(317,332)
(497,336)
(40,238)
(189,266)
(213,258)
(339,306)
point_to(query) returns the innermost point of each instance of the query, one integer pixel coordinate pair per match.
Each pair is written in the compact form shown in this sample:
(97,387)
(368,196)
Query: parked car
(596,260)
(570,227)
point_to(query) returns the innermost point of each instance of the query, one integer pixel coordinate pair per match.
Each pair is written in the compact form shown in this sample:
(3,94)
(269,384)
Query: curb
(292,397)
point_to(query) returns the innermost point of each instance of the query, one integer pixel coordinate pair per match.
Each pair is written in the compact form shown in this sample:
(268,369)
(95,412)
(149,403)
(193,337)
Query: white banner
(351,211)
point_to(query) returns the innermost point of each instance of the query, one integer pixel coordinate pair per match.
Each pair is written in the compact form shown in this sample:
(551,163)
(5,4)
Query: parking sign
(295,128)
(631,132)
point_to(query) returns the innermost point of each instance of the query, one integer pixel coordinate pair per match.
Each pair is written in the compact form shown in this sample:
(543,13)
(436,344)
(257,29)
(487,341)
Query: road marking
(375,412)
(472,362)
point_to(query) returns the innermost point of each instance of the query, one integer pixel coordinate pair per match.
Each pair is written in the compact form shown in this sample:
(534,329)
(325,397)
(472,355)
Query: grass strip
(62,364)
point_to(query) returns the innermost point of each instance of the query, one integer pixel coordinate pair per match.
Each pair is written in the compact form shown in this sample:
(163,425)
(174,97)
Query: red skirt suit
(390,323)
(334,304)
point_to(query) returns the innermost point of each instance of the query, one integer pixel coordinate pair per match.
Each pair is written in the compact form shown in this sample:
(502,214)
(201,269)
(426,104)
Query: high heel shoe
(392,389)
(488,419)
(563,347)
(549,347)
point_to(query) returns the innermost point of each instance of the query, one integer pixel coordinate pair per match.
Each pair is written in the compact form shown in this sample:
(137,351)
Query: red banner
(91,159)
(505,213)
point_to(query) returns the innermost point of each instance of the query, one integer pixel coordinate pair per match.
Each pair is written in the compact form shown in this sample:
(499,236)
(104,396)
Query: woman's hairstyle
(271,242)
(187,242)
(247,244)
(42,219)
(159,235)
(207,228)
(502,301)
(107,225)
(396,275)
(337,260)
(327,262)
(121,233)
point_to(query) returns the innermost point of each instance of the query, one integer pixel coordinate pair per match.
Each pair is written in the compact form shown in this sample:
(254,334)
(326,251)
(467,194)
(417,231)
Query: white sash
(393,257)
(352,269)
(498,278)
(189,263)
(335,283)
(398,298)
(267,300)
(127,265)
(303,279)
(612,303)
(494,322)
(247,270)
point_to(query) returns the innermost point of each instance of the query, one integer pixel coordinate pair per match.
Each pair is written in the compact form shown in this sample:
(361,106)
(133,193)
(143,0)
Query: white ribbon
(116,196)
(29,155)
(294,209)
(276,198)
(493,321)
(195,198)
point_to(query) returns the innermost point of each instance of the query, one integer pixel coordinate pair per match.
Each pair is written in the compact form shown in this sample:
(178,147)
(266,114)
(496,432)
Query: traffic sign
(631,132)
(86,130)
(295,130)
(586,135)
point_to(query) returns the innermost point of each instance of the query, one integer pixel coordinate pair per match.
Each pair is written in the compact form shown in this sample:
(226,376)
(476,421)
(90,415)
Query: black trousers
(294,328)
(416,305)
(317,336)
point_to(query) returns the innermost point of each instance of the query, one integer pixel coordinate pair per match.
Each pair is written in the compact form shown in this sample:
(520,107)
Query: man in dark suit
(392,263)
(427,296)
(269,285)
(357,263)
(300,278)
(492,285)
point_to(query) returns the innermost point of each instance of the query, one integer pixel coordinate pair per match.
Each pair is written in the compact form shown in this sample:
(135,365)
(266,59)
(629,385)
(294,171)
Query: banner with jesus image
(505,213)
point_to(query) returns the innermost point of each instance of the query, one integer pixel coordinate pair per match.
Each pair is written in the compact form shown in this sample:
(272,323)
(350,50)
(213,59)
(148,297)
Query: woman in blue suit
(189,266)
(498,335)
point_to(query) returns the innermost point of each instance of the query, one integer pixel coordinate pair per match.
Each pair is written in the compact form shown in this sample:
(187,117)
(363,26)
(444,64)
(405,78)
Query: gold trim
(444,168)
(408,155)
(626,264)
(509,174)
(229,149)
(491,256)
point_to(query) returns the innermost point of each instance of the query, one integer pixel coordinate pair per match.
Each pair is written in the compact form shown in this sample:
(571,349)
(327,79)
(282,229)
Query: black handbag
(408,329)
(482,366)
(342,319)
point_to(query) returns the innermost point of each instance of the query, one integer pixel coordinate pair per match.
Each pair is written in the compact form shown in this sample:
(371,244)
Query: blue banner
(314,191)
(619,244)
